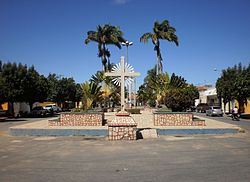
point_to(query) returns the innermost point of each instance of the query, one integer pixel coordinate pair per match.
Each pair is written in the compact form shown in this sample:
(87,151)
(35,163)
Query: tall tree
(20,83)
(2,86)
(12,78)
(154,87)
(161,31)
(53,81)
(91,94)
(105,35)
(224,86)
(180,95)
(35,87)
(234,83)
(62,89)
(110,92)
(174,93)
(78,95)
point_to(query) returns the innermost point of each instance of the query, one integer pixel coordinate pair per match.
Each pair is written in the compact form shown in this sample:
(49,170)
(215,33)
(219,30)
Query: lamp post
(127,44)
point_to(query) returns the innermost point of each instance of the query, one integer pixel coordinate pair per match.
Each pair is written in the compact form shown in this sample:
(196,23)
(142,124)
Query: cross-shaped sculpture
(123,73)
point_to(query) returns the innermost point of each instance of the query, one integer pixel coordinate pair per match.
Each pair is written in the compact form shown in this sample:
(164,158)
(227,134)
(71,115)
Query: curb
(104,132)
(198,131)
(57,132)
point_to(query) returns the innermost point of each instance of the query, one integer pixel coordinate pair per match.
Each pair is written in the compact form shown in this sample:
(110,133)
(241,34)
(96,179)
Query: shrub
(133,111)
(165,109)
(76,110)
(152,103)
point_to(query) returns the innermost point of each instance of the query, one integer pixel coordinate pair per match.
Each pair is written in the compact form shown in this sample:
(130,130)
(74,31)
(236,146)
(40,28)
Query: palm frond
(165,23)
(105,34)
(144,38)
(155,40)
(91,36)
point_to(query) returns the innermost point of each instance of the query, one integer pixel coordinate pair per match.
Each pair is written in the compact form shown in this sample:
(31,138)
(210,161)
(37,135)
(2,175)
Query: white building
(208,95)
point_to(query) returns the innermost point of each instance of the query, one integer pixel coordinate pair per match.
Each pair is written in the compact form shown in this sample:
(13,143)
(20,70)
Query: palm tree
(110,92)
(105,35)
(160,31)
(91,94)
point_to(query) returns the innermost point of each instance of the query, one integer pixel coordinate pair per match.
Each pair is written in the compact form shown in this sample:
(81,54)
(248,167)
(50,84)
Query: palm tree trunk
(159,59)
(157,66)
(104,60)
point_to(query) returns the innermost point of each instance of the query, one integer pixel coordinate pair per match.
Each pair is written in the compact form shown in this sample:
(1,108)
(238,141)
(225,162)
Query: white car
(214,111)
(53,107)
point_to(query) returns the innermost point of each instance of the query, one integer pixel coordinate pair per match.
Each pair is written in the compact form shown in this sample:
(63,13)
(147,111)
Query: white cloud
(121,2)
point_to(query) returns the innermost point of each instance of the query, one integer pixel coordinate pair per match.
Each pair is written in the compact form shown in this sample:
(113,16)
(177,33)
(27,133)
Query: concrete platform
(144,120)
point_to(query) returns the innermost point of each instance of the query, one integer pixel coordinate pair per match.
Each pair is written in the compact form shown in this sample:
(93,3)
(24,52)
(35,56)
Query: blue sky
(49,34)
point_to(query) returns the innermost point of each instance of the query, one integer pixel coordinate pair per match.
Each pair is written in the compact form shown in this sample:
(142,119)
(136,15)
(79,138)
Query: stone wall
(122,133)
(122,128)
(176,119)
(78,119)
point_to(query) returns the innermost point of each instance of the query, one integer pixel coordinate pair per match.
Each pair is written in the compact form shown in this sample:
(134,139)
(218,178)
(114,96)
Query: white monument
(123,73)
(123,126)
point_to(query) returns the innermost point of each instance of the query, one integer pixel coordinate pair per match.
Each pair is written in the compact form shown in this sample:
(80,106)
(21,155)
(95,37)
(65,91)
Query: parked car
(214,111)
(53,108)
(39,111)
(202,107)
(3,115)
(191,109)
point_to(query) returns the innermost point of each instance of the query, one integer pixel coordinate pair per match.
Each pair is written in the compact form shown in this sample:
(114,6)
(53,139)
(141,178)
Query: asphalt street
(243,123)
(222,158)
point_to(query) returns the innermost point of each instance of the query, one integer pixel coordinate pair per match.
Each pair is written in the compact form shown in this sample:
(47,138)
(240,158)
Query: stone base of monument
(122,127)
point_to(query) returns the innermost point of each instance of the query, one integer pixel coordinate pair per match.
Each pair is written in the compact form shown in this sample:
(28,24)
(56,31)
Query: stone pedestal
(122,127)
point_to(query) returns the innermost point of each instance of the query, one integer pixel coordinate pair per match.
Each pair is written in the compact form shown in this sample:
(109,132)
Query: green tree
(174,93)
(53,81)
(154,87)
(20,83)
(91,94)
(66,90)
(180,95)
(142,94)
(110,92)
(35,87)
(147,91)
(162,85)
(78,96)
(177,81)
(161,31)
(62,90)
(180,99)
(105,35)
(12,78)
(234,83)
(241,86)
(2,86)
(224,87)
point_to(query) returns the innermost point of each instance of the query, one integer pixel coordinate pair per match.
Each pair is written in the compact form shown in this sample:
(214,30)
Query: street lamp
(127,43)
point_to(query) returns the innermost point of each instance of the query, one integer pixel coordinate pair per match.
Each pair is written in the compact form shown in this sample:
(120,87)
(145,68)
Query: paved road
(243,123)
(5,125)
(222,158)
